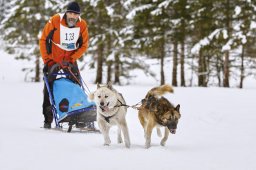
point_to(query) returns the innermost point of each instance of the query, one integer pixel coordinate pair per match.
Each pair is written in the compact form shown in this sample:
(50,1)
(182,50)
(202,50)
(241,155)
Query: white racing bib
(68,38)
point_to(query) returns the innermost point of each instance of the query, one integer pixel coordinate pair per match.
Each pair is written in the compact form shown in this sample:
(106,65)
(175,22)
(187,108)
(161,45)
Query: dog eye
(106,96)
(98,96)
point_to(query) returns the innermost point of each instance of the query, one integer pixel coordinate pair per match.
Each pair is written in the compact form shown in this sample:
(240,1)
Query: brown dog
(157,111)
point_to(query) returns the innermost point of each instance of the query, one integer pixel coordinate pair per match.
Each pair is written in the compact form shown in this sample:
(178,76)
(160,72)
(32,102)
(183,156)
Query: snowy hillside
(216,131)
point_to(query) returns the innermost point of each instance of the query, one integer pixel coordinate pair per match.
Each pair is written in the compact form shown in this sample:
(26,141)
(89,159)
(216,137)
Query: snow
(196,48)
(38,16)
(204,42)
(132,13)
(164,4)
(227,46)
(160,7)
(216,130)
(253,25)
(128,3)
(110,11)
(237,10)
(92,2)
(156,12)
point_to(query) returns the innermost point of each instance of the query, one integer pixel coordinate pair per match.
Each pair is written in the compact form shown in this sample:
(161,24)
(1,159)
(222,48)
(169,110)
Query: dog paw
(162,143)
(107,141)
(127,145)
(147,145)
(119,140)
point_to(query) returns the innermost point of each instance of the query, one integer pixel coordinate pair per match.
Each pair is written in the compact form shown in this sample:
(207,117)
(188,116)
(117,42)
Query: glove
(45,69)
(48,65)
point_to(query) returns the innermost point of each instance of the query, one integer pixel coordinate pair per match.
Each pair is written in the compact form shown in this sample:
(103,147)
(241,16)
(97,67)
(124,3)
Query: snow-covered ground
(216,131)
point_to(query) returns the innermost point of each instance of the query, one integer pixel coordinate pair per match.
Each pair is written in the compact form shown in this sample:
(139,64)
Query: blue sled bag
(69,98)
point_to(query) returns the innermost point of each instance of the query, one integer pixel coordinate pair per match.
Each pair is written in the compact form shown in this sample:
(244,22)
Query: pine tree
(151,27)
(203,20)
(245,15)
(181,14)
(96,15)
(108,38)
(222,28)
(4,9)
(115,39)
(22,30)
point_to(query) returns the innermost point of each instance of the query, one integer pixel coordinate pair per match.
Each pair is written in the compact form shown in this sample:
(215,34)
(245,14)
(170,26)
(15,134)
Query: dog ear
(98,85)
(109,85)
(177,108)
(91,96)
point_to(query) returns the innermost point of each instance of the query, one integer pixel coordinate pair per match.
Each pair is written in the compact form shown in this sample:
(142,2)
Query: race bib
(68,37)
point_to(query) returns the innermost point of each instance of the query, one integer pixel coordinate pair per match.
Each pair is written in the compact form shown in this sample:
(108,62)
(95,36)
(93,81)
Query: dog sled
(69,101)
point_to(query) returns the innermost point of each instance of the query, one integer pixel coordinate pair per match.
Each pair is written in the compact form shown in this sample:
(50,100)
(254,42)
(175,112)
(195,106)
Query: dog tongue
(173,131)
(105,108)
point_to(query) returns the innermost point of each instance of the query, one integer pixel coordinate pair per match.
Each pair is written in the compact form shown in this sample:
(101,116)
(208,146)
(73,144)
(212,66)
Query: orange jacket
(58,54)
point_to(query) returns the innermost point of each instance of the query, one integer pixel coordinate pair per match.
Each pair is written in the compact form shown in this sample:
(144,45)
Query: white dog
(111,110)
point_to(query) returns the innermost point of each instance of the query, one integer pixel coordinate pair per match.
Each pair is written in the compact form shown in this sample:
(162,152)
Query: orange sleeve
(42,42)
(84,32)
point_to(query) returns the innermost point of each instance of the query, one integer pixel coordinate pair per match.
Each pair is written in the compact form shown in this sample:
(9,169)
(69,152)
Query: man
(64,39)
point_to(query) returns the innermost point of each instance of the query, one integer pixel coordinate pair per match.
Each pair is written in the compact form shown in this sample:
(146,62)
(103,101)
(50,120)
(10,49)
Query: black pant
(47,108)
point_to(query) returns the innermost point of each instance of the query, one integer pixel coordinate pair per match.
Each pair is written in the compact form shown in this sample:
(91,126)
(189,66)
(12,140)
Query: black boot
(47,109)
(48,117)
(47,125)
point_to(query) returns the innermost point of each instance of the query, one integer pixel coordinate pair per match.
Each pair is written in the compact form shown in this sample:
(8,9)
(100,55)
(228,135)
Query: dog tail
(161,90)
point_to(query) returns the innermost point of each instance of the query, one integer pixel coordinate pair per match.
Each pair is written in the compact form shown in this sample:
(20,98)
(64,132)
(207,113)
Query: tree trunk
(242,68)
(99,63)
(162,61)
(226,70)
(202,70)
(109,50)
(37,69)
(175,63)
(117,69)
(218,69)
(109,63)
(182,58)
(182,42)
(207,70)
(226,55)
(162,70)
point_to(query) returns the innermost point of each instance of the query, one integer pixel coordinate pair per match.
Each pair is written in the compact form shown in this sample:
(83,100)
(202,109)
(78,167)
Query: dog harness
(107,117)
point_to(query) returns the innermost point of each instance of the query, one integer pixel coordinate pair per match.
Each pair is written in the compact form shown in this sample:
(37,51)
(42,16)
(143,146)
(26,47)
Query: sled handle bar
(51,100)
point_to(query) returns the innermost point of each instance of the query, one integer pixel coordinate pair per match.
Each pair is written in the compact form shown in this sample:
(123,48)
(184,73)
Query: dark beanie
(73,7)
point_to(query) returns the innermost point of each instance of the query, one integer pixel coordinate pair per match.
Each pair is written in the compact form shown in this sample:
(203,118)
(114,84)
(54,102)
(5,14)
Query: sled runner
(68,99)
